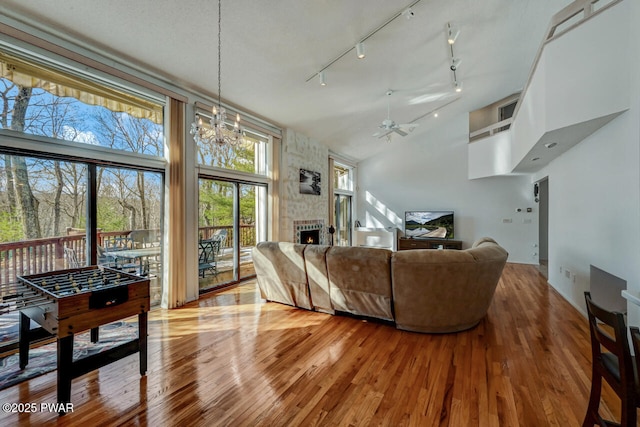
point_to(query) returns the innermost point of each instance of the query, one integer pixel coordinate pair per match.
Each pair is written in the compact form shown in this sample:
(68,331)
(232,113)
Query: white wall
(490,156)
(432,174)
(594,197)
(582,75)
(594,209)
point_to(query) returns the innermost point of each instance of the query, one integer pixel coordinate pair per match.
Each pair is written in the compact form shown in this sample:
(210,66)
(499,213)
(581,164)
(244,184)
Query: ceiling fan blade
(409,125)
(400,132)
(382,133)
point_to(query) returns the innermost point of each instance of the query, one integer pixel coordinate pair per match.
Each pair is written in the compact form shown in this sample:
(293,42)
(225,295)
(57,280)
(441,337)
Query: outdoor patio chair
(207,256)
(71,257)
(221,237)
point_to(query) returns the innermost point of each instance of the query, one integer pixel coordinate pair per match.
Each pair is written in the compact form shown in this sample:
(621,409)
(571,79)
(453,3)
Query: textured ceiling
(270,49)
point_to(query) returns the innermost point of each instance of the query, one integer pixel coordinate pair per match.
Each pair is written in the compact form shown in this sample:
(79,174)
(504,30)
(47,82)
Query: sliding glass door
(232,218)
(252,224)
(129,223)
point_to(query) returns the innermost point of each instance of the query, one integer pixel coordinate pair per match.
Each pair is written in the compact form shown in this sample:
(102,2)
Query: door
(232,215)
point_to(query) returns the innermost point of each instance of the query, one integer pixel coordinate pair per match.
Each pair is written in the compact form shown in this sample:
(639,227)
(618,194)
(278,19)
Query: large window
(38,99)
(248,156)
(342,203)
(129,220)
(232,206)
(81,173)
(342,177)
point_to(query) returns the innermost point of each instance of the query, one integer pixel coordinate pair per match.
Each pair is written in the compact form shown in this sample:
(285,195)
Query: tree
(55,117)
(121,131)
(26,201)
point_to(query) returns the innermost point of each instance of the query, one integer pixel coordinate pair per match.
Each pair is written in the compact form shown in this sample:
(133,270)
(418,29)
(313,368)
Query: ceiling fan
(388,126)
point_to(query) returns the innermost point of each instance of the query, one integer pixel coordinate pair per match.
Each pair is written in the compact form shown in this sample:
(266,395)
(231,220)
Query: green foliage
(110,216)
(10,229)
(216,203)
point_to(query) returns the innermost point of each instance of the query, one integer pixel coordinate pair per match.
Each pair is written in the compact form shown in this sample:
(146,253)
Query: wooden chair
(611,360)
(635,340)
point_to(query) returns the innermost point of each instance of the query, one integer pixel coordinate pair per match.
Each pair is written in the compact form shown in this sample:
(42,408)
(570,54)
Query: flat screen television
(429,224)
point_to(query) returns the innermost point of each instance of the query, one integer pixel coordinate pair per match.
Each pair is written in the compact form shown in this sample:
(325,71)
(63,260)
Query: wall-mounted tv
(428,224)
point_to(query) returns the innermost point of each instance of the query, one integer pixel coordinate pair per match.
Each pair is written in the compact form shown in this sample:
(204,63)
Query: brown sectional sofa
(420,290)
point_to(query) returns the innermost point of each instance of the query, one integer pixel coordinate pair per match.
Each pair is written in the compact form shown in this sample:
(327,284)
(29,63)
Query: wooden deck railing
(247,234)
(41,255)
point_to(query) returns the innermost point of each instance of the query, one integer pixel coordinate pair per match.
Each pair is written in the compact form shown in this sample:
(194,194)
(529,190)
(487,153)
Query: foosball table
(67,302)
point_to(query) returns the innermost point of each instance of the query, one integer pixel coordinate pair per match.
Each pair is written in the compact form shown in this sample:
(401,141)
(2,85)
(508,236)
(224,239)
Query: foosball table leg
(65,363)
(142,340)
(95,337)
(23,340)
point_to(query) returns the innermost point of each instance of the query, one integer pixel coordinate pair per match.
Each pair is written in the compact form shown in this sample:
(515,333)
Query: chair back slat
(617,343)
(608,332)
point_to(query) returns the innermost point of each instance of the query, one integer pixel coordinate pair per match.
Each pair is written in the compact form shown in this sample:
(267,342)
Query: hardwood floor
(230,359)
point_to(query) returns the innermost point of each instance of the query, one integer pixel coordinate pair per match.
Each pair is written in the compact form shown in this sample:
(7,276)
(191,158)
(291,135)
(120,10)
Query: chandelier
(218,134)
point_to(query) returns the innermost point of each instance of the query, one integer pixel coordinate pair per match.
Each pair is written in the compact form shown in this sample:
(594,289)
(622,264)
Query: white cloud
(85,137)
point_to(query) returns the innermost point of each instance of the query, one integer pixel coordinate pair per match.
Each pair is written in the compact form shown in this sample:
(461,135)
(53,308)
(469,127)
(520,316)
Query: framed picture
(309,182)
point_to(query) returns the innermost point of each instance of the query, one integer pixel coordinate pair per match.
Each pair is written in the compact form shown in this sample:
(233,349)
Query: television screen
(428,224)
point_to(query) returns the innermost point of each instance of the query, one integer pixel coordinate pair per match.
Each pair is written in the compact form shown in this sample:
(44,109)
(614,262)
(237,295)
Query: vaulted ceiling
(270,50)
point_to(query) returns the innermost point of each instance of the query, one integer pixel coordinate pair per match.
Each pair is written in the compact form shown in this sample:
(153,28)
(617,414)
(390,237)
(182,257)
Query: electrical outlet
(507,220)
(567,274)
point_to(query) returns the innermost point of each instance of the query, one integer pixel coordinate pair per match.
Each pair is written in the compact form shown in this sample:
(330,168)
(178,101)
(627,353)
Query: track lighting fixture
(321,78)
(452,33)
(408,13)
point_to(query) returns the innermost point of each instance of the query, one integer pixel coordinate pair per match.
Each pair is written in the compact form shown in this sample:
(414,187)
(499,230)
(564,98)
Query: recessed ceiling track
(404,12)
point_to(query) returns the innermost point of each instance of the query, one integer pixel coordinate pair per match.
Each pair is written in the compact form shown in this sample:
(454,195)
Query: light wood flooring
(232,359)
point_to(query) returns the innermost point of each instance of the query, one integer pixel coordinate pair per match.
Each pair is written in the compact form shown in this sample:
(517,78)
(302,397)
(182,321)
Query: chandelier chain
(219,54)
(218,135)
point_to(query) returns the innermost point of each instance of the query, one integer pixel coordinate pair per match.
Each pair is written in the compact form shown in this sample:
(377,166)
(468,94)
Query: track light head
(321,78)
(360,50)
(408,13)
(452,33)
(455,63)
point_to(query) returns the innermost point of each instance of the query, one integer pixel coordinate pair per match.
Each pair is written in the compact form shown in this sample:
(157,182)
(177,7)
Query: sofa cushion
(315,259)
(360,281)
(281,273)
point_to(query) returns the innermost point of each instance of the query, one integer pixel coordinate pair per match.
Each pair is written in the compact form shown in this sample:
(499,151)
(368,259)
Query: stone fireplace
(309,231)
